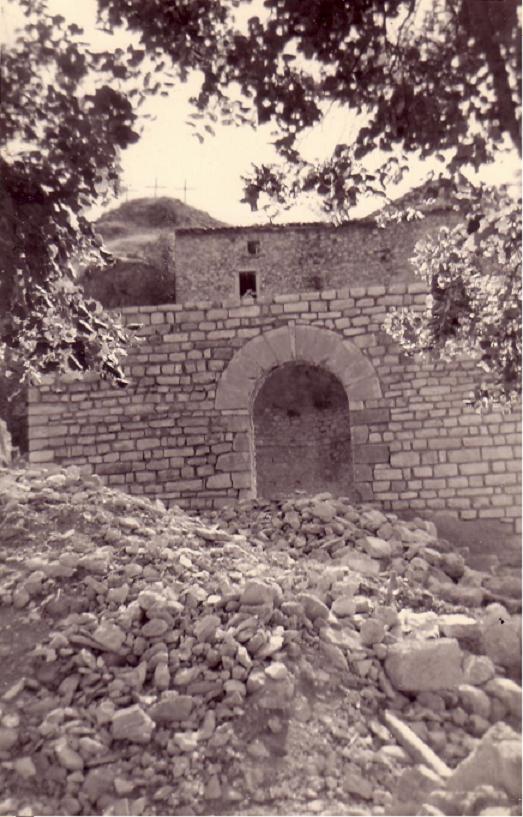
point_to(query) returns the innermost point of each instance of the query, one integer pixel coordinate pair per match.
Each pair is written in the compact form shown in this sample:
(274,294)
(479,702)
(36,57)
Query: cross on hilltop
(156,186)
(185,189)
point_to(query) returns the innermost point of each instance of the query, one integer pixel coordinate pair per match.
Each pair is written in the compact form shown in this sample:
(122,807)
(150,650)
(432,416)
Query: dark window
(253,247)
(247,283)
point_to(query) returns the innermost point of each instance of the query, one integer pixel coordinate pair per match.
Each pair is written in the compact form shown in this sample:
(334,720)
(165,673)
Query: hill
(140,236)
(127,229)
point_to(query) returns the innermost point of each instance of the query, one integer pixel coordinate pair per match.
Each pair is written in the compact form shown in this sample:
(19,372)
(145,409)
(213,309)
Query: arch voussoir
(286,344)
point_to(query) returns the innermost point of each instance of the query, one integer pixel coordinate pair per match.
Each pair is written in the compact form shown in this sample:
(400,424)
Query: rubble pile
(304,656)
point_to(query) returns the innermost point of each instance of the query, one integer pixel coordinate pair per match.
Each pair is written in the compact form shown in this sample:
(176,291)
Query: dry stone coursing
(183,430)
(298,258)
(257,696)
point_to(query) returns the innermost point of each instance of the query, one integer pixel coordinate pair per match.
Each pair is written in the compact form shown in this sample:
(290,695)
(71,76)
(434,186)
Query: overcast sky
(168,155)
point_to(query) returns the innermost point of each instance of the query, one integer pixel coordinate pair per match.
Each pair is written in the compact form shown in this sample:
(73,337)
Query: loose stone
(432,664)
(132,724)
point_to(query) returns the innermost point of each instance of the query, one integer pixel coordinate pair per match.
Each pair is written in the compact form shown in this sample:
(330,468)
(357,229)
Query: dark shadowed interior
(302,433)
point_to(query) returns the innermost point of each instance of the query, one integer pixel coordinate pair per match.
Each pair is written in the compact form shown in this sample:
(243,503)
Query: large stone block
(235,461)
(366,389)
(219,481)
(316,345)
(508,692)
(418,665)
(279,340)
(132,724)
(501,640)
(495,761)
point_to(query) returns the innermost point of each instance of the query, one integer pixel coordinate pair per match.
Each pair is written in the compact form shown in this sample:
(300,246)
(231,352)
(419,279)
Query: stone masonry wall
(292,258)
(182,431)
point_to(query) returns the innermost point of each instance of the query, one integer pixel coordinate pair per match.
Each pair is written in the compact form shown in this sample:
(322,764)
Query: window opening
(253,247)
(247,284)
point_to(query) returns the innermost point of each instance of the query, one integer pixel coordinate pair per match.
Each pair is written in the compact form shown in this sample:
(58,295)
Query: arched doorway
(301,432)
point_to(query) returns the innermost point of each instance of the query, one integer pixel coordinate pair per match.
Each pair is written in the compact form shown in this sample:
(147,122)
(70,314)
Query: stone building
(272,373)
(228,262)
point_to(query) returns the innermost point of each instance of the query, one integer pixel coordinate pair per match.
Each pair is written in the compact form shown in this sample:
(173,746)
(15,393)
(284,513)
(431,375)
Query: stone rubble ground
(304,656)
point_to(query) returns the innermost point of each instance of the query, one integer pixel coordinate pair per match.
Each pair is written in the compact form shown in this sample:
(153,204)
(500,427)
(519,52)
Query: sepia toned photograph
(260,408)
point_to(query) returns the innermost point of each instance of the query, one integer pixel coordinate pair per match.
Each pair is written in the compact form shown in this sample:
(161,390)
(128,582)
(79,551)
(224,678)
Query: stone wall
(183,430)
(293,257)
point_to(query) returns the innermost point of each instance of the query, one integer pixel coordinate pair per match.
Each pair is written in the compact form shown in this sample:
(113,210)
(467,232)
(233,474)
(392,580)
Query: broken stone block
(453,564)
(8,738)
(501,640)
(99,781)
(276,694)
(172,707)
(486,800)
(256,680)
(162,676)
(67,757)
(372,631)
(324,511)
(376,548)
(334,656)
(373,520)
(361,563)
(412,788)
(355,783)
(132,724)
(154,628)
(508,692)
(123,786)
(457,625)
(277,671)
(313,606)
(416,665)
(387,614)
(187,741)
(343,606)
(109,636)
(478,669)
(206,627)
(213,789)
(495,761)
(256,592)
(25,767)
(474,700)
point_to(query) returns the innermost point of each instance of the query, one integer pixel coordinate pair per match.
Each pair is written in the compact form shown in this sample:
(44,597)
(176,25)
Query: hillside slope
(127,229)
(140,236)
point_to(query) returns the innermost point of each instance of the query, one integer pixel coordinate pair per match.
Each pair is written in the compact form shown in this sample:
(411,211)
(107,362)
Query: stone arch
(295,343)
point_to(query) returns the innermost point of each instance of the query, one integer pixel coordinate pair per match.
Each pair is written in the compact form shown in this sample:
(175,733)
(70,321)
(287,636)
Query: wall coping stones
(414,288)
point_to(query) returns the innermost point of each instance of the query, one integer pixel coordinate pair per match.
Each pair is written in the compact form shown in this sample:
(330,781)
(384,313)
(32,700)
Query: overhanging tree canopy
(438,78)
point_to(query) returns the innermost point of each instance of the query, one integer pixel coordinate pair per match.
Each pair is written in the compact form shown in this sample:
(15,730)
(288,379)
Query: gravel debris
(304,656)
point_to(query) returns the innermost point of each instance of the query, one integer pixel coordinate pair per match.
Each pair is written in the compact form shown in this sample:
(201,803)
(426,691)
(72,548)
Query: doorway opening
(302,433)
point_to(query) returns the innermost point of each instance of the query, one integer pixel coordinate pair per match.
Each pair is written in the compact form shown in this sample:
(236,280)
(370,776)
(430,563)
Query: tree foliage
(423,79)
(61,134)
(473,275)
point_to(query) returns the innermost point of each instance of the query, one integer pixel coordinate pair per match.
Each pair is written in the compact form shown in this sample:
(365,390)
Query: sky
(169,158)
